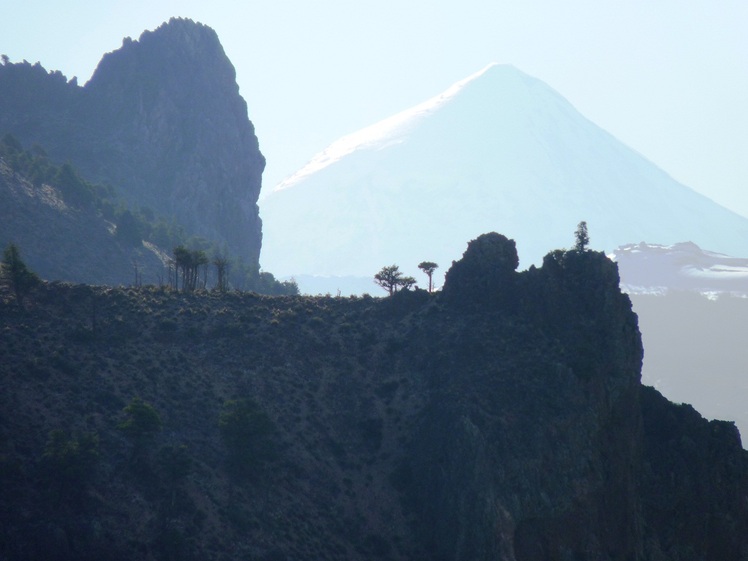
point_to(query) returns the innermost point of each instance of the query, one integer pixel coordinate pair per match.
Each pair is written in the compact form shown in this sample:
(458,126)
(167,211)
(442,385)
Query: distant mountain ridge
(498,151)
(653,268)
(162,121)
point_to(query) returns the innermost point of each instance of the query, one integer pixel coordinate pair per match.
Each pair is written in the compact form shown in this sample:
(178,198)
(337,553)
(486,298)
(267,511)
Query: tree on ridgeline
(406,283)
(391,279)
(189,262)
(429,267)
(582,237)
(221,264)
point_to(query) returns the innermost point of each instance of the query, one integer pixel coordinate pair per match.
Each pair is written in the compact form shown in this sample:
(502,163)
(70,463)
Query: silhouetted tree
(221,264)
(15,272)
(189,262)
(389,278)
(406,283)
(429,267)
(582,237)
(181,260)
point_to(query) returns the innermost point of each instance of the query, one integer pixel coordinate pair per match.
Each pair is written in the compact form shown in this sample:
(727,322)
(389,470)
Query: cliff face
(464,425)
(531,436)
(162,121)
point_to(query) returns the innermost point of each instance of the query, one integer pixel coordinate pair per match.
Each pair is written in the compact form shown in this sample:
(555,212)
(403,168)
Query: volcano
(499,151)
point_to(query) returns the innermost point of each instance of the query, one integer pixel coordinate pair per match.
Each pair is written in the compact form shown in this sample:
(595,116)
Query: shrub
(142,423)
(15,272)
(249,436)
(68,464)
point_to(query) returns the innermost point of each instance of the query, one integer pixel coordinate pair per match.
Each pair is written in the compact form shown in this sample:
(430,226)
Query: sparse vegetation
(249,436)
(340,428)
(141,424)
(68,465)
(133,226)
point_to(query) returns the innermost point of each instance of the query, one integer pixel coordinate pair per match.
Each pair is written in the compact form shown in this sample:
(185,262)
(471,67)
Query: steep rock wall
(162,121)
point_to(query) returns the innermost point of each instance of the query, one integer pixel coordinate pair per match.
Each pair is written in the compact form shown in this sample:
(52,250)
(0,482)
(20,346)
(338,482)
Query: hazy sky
(667,77)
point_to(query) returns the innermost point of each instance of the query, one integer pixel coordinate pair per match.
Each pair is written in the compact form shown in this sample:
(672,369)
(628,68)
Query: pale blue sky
(669,77)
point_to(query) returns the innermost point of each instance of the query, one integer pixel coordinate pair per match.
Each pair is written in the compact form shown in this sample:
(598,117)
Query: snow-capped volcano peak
(388,131)
(498,151)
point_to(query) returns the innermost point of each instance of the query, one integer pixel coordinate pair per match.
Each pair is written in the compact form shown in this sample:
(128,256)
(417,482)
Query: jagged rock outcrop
(162,121)
(485,274)
(417,426)
(528,449)
(538,441)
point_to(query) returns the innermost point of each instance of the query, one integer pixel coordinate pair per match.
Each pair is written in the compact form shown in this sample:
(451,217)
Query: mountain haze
(498,151)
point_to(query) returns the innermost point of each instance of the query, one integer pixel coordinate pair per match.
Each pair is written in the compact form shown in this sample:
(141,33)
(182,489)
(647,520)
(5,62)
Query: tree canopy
(429,267)
(581,236)
(142,422)
(391,279)
(189,262)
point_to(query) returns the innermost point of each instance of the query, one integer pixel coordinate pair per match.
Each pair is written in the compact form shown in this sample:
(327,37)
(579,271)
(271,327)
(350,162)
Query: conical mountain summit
(499,151)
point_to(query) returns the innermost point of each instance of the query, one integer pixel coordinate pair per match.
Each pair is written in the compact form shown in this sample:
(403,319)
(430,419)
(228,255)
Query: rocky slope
(62,239)
(500,419)
(162,121)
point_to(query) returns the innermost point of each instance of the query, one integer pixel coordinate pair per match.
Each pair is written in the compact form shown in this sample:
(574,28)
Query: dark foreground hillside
(502,418)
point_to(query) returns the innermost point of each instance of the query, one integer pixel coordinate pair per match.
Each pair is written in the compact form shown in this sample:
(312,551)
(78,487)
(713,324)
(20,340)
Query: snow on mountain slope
(650,268)
(500,151)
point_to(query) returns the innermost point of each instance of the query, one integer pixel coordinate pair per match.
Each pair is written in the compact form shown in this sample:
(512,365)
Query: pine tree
(582,237)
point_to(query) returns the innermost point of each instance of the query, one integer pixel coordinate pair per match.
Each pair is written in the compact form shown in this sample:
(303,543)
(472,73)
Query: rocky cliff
(162,121)
(500,419)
